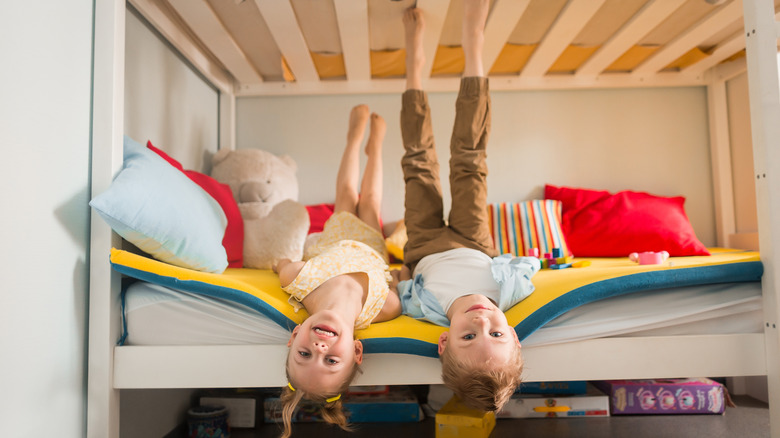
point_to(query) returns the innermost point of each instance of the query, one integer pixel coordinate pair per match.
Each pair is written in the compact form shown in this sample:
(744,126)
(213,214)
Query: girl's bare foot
(414,25)
(377,134)
(357,124)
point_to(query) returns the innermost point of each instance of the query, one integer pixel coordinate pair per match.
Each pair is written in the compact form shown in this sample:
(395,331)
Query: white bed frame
(113,368)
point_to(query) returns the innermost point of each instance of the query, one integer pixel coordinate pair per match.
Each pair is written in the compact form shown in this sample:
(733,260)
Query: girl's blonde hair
(332,411)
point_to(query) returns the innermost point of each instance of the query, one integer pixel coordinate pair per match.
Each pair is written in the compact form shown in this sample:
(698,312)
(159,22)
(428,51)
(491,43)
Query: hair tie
(289,385)
(332,399)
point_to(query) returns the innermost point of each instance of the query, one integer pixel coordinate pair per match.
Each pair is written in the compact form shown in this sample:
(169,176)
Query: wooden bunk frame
(112,368)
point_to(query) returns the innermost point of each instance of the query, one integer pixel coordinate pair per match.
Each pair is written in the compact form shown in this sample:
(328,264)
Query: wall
(45,83)
(652,140)
(168,103)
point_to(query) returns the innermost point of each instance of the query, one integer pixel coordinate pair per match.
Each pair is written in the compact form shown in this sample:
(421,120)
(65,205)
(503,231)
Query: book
(593,403)
(396,405)
(566,387)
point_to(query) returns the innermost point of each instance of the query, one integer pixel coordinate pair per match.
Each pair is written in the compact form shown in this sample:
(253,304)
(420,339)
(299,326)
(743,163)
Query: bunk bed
(578,44)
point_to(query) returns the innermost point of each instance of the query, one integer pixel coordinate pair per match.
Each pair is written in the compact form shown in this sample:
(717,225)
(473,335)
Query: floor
(750,419)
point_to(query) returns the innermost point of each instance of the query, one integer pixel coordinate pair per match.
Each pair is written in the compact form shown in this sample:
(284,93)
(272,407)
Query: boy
(452,277)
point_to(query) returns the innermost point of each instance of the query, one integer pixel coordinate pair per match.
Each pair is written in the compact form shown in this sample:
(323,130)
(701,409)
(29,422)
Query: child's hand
(278,266)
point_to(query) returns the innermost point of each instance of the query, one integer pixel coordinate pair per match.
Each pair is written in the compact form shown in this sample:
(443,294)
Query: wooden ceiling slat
(172,30)
(691,38)
(635,29)
(722,51)
(279,15)
(502,21)
(569,23)
(352,16)
(207,26)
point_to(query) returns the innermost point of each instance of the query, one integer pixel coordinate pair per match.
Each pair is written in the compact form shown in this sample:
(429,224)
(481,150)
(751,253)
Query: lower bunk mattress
(686,295)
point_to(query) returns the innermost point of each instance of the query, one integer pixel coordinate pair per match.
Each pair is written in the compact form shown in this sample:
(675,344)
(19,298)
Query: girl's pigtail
(333,413)
(290,400)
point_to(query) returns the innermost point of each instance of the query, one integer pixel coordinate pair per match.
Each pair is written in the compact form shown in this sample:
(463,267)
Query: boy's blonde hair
(331,411)
(478,388)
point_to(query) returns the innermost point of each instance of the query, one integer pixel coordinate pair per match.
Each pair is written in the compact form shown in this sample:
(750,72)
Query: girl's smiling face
(323,353)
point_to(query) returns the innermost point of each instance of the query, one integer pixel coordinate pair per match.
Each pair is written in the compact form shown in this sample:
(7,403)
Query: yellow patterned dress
(347,245)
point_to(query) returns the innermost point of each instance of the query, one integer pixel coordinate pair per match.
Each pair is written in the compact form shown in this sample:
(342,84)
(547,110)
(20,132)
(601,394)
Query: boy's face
(479,333)
(323,353)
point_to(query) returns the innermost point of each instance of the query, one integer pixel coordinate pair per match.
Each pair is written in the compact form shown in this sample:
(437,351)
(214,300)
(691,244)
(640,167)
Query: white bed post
(106,151)
(764,85)
(227,120)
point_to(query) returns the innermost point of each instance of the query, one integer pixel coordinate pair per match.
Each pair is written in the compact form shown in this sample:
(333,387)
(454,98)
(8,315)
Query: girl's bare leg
(475,13)
(349,169)
(369,205)
(414,26)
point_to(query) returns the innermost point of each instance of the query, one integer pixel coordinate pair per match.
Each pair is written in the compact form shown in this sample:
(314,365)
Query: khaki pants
(467,226)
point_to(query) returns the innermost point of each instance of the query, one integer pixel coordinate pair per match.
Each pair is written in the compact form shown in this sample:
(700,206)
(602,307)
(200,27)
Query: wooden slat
(573,18)
(723,50)
(434,13)
(690,38)
(451,84)
(607,358)
(637,27)
(720,156)
(353,30)
(212,33)
(502,21)
(279,15)
(173,33)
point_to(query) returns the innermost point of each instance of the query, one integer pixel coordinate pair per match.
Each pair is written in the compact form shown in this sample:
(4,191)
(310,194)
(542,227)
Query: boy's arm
(287,270)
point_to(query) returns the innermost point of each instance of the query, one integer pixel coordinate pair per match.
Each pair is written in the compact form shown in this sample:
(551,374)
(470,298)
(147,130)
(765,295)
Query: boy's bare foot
(414,25)
(357,123)
(377,134)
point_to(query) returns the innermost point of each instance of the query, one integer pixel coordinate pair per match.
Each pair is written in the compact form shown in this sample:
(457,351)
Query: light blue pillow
(157,208)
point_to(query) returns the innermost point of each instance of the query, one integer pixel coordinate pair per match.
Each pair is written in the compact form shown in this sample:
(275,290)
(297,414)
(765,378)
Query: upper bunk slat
(638,26)
(602,43)
(692,37)
(573,18)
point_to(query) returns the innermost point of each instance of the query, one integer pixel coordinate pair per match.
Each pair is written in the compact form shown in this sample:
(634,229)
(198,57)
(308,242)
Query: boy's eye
(304,353)
(496,334)
(469,336)
(331,361)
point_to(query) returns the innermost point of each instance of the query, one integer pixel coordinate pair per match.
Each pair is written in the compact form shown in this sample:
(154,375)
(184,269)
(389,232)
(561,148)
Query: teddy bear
(265,186)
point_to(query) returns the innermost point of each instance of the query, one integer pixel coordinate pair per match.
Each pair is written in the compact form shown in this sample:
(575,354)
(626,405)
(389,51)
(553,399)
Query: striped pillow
(517,227)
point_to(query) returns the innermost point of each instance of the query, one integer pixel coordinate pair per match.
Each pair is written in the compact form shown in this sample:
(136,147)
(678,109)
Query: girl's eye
(331,361)
(469,336)
(304,353)
(496,334)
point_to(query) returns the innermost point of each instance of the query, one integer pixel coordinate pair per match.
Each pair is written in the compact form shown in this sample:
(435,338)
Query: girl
(343,282)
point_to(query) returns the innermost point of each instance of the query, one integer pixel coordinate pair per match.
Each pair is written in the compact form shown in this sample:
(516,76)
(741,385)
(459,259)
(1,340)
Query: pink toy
(649,257)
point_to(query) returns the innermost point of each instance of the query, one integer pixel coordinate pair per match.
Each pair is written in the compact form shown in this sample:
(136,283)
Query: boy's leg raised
(424,211)
(468,166)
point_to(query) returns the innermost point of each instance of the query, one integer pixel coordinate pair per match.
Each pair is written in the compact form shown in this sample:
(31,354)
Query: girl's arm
(287,270)
(391,309)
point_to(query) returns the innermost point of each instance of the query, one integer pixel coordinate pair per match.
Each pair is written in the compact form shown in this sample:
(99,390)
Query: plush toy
(265,187)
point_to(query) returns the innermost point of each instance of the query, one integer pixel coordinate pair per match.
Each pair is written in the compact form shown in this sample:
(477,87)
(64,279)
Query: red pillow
(600,224)
(233,241)
(318,215)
